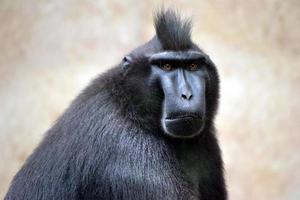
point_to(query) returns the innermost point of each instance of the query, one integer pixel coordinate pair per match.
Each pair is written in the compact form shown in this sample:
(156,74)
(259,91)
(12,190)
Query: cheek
(168,85)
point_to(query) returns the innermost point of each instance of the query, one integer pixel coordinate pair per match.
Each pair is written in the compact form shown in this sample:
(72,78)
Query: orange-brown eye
(167,67)
(193,67)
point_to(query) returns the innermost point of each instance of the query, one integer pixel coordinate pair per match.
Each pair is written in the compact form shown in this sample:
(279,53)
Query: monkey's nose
(187,96)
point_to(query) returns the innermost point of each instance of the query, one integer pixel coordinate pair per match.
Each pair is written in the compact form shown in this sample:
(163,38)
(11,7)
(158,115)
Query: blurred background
(50,50)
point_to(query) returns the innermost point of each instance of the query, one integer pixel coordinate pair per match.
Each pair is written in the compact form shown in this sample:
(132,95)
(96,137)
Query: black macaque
(143,130)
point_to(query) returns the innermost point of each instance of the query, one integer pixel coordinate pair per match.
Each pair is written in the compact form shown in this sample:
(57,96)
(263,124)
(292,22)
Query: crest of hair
(173,32)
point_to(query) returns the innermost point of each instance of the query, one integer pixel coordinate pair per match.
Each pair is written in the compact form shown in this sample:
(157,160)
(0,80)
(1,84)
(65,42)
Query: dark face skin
(182,78)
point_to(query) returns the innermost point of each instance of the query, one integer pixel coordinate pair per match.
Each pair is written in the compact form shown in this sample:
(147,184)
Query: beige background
(49,50)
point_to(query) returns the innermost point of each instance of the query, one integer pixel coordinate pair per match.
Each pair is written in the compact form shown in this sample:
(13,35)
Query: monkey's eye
(192,67)
(167,67)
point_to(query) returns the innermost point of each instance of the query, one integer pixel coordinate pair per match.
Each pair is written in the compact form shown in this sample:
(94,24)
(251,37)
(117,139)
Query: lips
(176,116)
(187,118)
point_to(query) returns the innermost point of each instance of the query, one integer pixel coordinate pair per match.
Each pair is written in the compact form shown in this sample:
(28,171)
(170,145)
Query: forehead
(177,55)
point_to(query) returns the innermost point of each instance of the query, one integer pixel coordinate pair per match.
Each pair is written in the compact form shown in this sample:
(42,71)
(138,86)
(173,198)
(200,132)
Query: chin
(184,128)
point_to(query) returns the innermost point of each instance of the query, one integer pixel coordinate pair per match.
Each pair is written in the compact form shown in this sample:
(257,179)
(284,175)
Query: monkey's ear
(127,60)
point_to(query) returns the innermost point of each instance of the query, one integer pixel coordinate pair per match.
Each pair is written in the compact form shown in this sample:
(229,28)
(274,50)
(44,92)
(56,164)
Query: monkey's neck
(187,154)
(194,156)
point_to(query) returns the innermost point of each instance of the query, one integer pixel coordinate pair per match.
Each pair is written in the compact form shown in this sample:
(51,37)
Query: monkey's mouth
(183,126)
(189,116)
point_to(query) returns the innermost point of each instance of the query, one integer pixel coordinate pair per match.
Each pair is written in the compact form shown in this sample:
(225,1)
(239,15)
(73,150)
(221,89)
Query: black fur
(173,32)
(109,143)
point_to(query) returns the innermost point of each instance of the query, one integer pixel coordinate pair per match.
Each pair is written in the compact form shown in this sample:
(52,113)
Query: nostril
(187,97)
